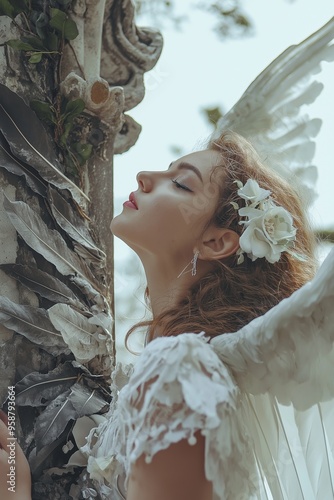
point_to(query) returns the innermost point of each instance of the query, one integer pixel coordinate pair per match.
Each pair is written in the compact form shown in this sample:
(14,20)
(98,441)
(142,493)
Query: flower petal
(252,191)
(250,212)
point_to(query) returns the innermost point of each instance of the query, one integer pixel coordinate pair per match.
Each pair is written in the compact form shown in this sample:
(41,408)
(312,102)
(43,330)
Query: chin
(118,226)
(113,225)
(119,230)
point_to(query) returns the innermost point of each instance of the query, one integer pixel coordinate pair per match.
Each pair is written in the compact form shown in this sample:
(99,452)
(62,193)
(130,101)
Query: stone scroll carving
(106,63)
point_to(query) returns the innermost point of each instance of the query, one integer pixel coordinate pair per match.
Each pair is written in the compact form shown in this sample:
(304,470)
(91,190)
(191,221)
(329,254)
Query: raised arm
(177,473)
(15,479)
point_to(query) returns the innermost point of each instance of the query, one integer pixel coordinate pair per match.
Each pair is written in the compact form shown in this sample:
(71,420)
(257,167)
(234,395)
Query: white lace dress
(262,398)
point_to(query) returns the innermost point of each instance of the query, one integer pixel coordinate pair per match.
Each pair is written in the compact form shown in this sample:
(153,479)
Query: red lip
(132,202)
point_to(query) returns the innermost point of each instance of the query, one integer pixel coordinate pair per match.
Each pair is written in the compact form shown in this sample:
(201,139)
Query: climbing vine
(44,28)
(62,116)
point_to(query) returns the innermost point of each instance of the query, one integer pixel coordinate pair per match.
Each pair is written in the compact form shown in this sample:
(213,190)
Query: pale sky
(198,70)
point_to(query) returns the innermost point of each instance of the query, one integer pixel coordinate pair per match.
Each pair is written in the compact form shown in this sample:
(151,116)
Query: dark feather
(32,323)
(38,389)
(39,457)
(44,284)
(53,420)
(74,226)
(14,166)
(45,241)
(29,142)
(70,405)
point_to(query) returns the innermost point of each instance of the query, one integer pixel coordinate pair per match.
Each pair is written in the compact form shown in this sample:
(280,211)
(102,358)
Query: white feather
(284,363)
(269,112)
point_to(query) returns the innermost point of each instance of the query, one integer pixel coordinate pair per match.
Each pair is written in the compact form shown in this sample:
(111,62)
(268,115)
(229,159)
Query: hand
(14,466)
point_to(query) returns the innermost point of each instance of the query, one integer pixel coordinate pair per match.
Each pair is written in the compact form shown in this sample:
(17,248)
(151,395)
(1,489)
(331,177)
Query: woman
(208,270)
(222,240)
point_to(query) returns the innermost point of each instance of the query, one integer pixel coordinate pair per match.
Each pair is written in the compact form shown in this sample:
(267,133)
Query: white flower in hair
(252,192)
(269,229)
(268,235)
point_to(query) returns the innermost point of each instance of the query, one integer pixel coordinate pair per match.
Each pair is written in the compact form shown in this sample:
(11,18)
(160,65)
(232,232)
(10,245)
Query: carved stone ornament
(105,64)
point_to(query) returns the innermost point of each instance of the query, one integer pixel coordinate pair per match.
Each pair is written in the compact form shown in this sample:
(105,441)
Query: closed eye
(180,186)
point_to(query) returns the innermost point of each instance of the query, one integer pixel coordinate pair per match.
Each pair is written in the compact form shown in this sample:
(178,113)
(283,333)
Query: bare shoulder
(176,472)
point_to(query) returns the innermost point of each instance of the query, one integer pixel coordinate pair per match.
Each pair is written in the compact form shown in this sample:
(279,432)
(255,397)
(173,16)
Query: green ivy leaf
(12,8)
(51,40)
(34,42)
(72,109)
(70,30)
(42,21)
(61,22)
(6,9)
(19,45)
(58,17)
(84,151)
(43,110)
(69,163)
(35,57)
(66,131)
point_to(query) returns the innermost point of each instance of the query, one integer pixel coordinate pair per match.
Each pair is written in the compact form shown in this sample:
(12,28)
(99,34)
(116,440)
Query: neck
(165,287)
(168,283)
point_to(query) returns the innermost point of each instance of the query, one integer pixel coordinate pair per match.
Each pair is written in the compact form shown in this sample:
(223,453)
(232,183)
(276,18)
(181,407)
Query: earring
(194,263)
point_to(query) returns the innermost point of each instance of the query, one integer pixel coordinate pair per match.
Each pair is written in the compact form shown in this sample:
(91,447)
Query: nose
(145,181)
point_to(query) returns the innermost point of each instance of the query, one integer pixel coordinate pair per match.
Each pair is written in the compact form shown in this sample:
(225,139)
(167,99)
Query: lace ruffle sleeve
(178,387)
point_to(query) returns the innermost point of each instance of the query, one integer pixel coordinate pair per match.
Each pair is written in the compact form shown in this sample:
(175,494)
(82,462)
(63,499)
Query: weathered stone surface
(104,66)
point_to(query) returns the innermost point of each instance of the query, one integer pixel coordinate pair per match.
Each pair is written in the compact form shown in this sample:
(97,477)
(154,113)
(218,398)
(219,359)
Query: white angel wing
(283,362)
(289,350)
(269,114)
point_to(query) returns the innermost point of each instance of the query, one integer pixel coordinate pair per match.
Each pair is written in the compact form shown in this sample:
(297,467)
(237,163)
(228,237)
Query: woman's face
(168,212)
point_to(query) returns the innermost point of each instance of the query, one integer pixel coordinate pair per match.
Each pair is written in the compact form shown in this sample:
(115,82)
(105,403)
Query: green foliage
(84,151)
(65,26)
(176,150)
(212,115)
(230,18)
(51,41)
(73,109)
(12,8)
(44,111)
(62,116)
(35,57)
(35,42)
(48,27)
(19,45)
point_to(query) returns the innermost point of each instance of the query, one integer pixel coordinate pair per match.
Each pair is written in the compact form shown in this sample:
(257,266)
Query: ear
(218,243)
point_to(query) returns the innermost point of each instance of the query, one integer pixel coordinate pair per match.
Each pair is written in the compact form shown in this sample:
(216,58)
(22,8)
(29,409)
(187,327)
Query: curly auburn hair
(231,295)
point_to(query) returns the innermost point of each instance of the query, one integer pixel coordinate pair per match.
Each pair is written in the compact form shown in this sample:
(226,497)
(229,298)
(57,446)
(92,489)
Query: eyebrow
(188,166)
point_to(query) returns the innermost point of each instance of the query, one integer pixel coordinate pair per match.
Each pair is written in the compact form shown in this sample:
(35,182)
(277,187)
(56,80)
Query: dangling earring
(194,263)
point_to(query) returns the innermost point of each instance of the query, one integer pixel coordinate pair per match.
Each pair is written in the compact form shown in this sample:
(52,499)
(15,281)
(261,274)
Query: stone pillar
(68,75)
